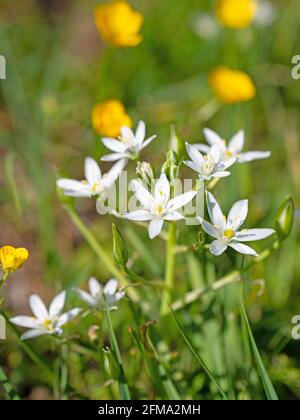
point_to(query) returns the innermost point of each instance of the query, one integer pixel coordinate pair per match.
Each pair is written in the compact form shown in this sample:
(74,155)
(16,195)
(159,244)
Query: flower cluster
(209,161)
(49,321)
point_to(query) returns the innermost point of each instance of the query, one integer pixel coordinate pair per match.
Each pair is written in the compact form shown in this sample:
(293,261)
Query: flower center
(228,154)
(208,165)
(229,233)
(158,209)
(48,324)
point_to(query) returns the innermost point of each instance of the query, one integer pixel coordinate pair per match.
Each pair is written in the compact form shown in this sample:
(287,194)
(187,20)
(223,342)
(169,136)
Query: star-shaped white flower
(158,207)
(210,165)
(128,145)
(232,149)
(99,295)
(45,321)
(226,231)
(95,184)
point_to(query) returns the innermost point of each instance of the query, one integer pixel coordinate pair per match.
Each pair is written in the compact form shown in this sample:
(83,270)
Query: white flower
(99,295)
(95,184)
(226,231)
(210,165)
(45,321)
(128,145)
(232,149)
(158,207)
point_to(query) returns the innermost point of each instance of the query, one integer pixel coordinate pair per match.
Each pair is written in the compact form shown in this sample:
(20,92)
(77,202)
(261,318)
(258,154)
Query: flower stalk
(170,270)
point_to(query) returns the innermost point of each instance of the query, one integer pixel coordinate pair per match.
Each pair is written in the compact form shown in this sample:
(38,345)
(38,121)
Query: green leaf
(265,379)
(195,353)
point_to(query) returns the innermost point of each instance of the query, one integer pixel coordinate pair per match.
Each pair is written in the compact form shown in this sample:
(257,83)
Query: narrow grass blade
(265,379)
(124,389)
(8,388)
(195,353)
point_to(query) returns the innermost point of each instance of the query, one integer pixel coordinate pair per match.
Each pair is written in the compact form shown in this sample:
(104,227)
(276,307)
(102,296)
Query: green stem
(170,270)
(4,382)
(124,390)
(99,251)
(3,279)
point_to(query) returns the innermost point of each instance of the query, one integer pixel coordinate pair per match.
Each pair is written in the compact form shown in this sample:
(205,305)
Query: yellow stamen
(48,324)
(229,233)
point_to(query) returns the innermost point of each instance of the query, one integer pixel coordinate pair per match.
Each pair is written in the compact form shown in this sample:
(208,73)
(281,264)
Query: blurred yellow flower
(119,24)
(231,86)
(236,14)
(109,116)
(12,258)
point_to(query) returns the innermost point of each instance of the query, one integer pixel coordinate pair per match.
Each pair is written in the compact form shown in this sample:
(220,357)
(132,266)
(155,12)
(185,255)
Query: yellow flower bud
(231,86)
(119,24)
(236,14)
(12,258)
(109,116)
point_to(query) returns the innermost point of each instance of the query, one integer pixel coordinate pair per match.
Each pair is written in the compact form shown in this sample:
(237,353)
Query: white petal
(25,321)
(243,249)
(33,333)
(86,297)
(114,145)
(68,316)
(214,211)
(74,188)
(147,142)
(127,133)
(142,194)
(38,307)
(237,214)
(217,247)
(181,200)
(210,229)
(111,299)
(114,156)
(248,235)
(138,215)
(174,216)
(140,132)
(155,227)
(226,163)
(111,287)
(192,165)
(195,155)
(203,148)
(115,170)
(92,171)
(215,152)
(95,287)
(162,189)
(249,156)
(57,304)
(212,137)
(220,174)
(236,144)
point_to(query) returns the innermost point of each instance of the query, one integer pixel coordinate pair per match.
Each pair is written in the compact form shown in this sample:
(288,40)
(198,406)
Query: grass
(57,69)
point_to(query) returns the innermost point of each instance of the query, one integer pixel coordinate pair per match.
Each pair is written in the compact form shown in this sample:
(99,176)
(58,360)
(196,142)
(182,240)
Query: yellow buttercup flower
(231,86)
(12,258)
(119,24)
(236,14)
(109,116)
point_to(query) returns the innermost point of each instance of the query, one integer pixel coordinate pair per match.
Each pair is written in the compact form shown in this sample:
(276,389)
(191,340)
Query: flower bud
(111,366)
(145,172)
(285,218)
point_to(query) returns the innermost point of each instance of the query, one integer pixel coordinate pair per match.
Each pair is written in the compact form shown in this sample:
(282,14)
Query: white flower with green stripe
(226,230)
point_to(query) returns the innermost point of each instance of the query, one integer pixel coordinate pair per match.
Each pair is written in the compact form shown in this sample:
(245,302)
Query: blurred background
(57,69)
